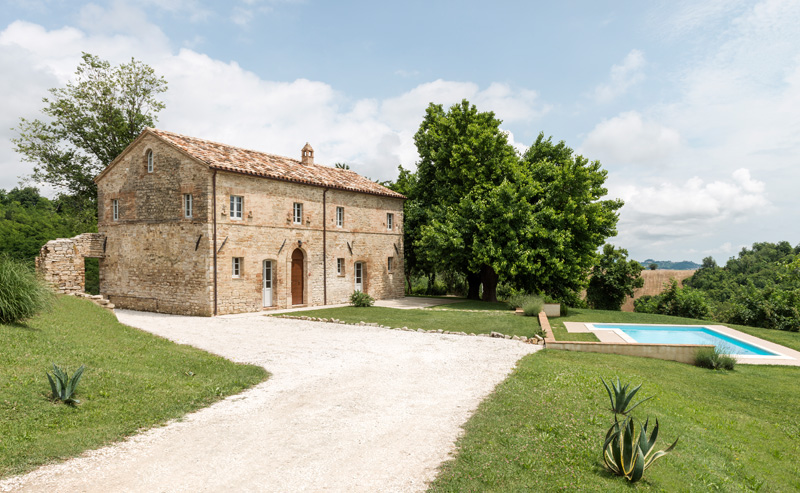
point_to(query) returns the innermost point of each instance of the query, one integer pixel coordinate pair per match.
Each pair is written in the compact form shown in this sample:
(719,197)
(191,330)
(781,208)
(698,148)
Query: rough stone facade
(157,259)
(61,262)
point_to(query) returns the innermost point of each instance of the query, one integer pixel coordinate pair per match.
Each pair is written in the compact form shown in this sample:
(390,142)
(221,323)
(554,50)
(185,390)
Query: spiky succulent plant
(629,455)
(621,398)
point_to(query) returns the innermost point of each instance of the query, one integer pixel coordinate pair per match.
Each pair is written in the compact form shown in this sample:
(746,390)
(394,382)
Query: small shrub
(621,398)
(63,386)
(532,306)
(22,294)
(360,298)
(714,359)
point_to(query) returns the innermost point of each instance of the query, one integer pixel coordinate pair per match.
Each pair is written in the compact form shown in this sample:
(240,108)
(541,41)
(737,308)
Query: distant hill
(668,264)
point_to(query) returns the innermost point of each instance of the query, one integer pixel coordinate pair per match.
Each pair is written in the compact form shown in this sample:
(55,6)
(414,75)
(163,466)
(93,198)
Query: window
(187,205)
(115,209)
(149,161)
(390,221)
(237,203)
(339,217)
(298,213)
(340,266)
(389,263)
(236,268)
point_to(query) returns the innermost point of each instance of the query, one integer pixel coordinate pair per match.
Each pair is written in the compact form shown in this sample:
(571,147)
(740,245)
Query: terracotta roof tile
(230,158)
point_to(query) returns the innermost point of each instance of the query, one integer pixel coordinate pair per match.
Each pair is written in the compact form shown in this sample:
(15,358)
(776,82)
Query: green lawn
(543,428)
(133,380)
(503,321)
(475,305)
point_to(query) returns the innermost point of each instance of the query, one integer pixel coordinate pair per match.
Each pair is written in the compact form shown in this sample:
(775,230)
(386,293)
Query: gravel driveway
(347,408)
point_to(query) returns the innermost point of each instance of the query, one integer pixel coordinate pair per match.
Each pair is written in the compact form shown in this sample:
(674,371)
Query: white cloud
(631,139)
(223,101)
(669,211)
(622,77)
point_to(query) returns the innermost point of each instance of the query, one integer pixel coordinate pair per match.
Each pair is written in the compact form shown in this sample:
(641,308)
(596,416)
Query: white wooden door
(267,283)
(359,271)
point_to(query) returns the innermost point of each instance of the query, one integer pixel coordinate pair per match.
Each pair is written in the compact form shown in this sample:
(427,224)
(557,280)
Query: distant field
(654,281)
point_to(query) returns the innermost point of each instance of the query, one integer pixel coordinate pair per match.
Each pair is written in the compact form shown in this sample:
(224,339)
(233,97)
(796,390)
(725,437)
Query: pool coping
(786,356)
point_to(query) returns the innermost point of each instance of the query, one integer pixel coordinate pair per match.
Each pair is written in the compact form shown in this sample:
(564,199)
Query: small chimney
(307,155)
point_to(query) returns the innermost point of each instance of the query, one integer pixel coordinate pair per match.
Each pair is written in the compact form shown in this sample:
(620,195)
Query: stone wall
(158,260)
(60,262)
(267,232)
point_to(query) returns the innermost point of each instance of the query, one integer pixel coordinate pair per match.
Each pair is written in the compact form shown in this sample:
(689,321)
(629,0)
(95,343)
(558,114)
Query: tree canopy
(87,124)
(28,221)
(614,277)
(478,208)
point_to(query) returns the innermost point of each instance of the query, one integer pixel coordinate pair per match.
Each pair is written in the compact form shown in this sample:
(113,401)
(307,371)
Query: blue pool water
(677,334)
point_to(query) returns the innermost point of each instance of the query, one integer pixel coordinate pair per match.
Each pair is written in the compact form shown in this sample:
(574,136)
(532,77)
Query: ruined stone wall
(61,262)
(267,232)
(156,258)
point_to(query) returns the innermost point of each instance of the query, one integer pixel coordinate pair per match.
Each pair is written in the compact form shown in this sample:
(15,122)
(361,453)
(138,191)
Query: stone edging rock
(97,299)
(496,335)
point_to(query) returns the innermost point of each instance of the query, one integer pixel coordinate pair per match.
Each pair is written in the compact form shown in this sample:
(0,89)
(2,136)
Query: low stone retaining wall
(682,353)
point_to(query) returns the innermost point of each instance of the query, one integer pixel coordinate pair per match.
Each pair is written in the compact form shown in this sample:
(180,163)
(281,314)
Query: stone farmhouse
(194,227)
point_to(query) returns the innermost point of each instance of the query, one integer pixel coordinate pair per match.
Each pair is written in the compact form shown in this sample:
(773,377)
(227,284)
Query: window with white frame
(390,263)
(389,221)
(236,267)
(149,161)
(340,266)
(340,217)
(237,204)
(115,209)
(297,213)
(187,205)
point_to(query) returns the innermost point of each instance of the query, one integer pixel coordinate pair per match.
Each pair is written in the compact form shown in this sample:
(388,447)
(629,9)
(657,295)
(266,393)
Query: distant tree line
(759,288)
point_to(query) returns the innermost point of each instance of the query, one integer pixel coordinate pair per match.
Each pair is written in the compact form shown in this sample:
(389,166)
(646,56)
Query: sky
(693,107)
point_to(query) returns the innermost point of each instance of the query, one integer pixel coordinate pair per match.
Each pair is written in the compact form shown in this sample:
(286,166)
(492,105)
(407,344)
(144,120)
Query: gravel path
(347,408)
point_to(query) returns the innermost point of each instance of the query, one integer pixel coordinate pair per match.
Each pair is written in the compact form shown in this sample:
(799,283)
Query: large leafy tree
(613,278)
(87,124)
(535,222)
(570,216)
(464,157)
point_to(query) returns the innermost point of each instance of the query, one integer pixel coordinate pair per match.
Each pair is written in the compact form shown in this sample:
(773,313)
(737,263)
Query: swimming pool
(684,334)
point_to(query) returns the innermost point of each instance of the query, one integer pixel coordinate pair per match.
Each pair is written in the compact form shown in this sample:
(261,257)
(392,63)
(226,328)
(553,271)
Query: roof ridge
(157,130)
(219,155)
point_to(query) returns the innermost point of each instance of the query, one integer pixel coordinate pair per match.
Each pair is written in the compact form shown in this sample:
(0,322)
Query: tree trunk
(489,279)
(474,282)
(431,282)
(408,284)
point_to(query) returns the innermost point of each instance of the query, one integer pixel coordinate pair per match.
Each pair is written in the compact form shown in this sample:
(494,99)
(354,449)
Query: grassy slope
(542,429)
(133,380)
(503,321)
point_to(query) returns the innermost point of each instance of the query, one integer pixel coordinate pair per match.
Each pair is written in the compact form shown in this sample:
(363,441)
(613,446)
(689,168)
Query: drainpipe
(214,213)
(324,250)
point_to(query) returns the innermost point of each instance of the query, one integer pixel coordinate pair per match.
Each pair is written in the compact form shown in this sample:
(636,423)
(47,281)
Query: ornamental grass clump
(714,359)
(22,294)
(626,453)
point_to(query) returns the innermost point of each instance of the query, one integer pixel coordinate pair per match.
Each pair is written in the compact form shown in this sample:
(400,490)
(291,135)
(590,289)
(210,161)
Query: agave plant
(629,455)
(63,386)
(620,397)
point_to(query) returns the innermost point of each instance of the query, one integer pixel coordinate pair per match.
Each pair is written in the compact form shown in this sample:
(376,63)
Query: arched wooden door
(298,281)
